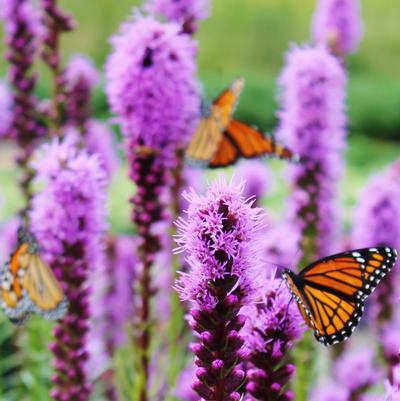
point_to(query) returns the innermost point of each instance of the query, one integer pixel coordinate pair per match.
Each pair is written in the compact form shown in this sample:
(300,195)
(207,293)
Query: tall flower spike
(80,78)
(377,222)
(151,85)
(68,218)
(185,12)
(271,329)
(219,238)
(313,124)
(338,24)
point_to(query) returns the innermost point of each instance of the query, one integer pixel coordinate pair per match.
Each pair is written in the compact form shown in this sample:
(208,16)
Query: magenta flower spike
(271,329)
(186,12)
(81,77)
(68,218)
(338,25)
(219,239)
(152,87)
(313,125)
(376,221)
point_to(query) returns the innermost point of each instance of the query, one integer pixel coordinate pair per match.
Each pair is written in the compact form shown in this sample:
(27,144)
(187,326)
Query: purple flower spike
(312,124)
(151,84)
(80,78)
(68,218)
(219,238)
(271,329)
(185,12)
(338,24)
(376,222)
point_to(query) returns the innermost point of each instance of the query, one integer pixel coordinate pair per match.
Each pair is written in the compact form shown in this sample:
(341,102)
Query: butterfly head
(25,237)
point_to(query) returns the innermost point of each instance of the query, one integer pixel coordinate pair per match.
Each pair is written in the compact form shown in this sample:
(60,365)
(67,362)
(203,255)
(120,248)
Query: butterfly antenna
(287,313)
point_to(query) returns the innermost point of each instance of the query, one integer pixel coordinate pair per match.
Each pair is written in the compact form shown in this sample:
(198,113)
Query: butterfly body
(28,285)
(219,140)
(330,292)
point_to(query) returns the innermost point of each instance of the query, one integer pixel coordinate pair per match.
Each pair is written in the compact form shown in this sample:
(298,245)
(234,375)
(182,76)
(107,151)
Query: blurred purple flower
(357,371)
(219,238)
(68,218)
(390,341)
(8,238)
(377,222)
(151,84)
(6,104)
(257,177)
(338,24)
(392,387)
(270,330)
(100,139)
(313,125)
(280,246)
(81,77)
(185,12)
(330,392)
(183,390)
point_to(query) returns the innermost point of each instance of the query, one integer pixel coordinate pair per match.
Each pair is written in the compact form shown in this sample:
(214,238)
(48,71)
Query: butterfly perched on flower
(330,292)
(219,140)
(28,285)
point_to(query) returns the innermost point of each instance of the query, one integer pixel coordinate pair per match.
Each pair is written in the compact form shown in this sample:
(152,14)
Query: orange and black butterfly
(330,292)
(219,141)
(28,285)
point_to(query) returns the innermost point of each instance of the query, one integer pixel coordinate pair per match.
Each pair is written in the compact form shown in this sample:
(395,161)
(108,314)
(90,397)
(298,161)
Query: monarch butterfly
(330,292)
(219,141)
(28,285)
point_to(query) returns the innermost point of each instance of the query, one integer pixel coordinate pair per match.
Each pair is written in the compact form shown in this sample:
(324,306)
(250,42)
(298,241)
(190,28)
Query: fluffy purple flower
(151,84)
(185,12)
(312,124)
(81,77)
(68,218)
(219,238)
(6,104)
(270,330)
(330,392)
(257,178)
(377,222)
(360,362)
(338,24)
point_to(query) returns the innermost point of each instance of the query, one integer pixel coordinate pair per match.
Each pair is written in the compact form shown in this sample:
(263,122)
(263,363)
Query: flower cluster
(151,84)
(68,218)
(377,222)
(218,239)
(271,329)
(185,12)
(313,125)
(338,24)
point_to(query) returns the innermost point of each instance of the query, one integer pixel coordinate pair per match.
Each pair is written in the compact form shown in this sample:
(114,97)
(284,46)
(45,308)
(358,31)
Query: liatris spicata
(377,222)
(6,115)
(313,125)
(219,238)
(22,36)
(185,12)
(80,78)
(338,24)
(357,371)
(271,329)
(151,85)
(68,218)
(257,178)
(55,22)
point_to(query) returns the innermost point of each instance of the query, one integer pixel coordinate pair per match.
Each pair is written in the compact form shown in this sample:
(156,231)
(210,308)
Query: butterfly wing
(226,155)
(333,290)
(209,132)
(29,285)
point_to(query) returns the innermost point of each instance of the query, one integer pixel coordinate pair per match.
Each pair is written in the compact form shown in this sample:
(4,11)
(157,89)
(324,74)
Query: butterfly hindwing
(331,291)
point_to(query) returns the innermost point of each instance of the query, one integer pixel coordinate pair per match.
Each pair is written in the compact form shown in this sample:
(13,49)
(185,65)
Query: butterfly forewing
(28,285)
(334,288)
